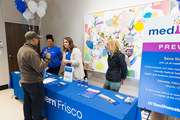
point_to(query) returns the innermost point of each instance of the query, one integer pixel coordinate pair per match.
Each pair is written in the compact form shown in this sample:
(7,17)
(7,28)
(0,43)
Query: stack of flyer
(68,74)
(129,100)
(89,93)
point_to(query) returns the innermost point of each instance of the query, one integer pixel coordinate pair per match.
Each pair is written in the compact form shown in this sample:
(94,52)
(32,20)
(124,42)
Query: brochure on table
(108,99)
(89,93)
(159,87)
(68,74)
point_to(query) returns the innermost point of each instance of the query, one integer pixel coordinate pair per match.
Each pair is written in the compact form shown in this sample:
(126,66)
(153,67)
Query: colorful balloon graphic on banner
(139,26)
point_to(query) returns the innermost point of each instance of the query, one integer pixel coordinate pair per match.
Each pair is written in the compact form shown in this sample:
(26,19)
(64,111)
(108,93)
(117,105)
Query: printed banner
(159,88)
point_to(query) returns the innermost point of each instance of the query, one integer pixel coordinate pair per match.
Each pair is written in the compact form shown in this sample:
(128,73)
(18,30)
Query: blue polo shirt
(55,54)
(68,57)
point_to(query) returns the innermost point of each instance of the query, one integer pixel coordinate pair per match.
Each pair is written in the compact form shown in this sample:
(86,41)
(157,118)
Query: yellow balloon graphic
(86,49)
(100,66)
(139,26)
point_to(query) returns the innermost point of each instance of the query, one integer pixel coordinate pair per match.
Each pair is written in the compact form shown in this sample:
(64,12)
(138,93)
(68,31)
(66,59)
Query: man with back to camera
(31,68)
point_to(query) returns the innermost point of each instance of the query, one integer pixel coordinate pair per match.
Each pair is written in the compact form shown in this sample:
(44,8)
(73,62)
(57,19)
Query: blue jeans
(114,86)
(33,100)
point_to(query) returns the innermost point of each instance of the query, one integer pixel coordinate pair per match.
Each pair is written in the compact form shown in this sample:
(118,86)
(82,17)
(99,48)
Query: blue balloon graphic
(20,5)
(178,0)
(179,6)
(104,52)
(133,61)
(89,44)
(147,15)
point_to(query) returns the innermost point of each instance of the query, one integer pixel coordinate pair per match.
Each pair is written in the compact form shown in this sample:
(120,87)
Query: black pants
(54,70)
(33,100)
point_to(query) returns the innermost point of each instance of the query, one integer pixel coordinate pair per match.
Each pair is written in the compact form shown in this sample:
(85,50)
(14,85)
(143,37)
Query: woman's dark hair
(71,44)
(49,36)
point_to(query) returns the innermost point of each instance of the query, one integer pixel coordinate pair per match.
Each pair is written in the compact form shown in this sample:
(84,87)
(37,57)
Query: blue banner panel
(160,82)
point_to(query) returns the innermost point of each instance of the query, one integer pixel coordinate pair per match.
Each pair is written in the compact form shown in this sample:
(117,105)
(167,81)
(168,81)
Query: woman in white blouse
(72,57)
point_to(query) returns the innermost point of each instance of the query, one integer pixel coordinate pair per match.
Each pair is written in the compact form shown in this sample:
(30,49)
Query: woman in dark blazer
(117,67)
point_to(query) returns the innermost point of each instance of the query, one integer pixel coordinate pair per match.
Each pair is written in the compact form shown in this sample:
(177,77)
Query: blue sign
(159,88)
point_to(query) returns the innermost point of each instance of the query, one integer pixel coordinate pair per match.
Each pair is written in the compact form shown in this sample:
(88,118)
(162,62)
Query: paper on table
(109,99)
(129,99)
(48,80)
(89,93)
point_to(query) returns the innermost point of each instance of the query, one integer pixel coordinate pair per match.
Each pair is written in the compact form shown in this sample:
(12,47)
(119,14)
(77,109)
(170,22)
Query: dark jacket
(117,67)
(30,64)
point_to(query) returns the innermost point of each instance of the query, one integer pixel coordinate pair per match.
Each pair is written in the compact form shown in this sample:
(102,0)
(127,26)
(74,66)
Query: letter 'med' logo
(171,30)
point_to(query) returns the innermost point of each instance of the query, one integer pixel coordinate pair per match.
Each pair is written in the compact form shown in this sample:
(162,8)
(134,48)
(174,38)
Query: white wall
(4,71)
(66,18)
(8,13)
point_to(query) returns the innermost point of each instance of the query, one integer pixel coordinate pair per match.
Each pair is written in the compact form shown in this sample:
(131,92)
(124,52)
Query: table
(64,103)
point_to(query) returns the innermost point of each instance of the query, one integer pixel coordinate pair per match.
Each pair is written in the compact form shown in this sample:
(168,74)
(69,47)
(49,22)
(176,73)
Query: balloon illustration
(139,26)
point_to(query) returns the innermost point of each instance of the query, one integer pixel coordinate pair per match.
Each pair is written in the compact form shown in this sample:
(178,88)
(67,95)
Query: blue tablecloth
(64,103)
